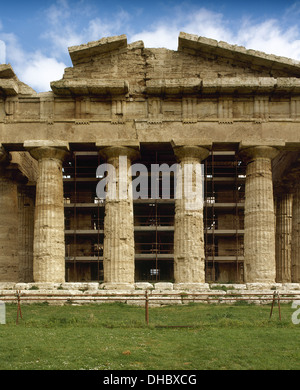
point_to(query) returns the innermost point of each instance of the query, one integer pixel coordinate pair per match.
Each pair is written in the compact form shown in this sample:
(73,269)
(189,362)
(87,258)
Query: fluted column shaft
(118,246)
(49,241)
(8,223)
(283,237)
(189,255)
(25,234)
(259,238)
(295,257)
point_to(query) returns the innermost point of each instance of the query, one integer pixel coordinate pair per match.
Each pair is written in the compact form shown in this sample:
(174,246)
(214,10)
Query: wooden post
(279,307)
(272,304)
(146,308)
(278,301)
(19,307)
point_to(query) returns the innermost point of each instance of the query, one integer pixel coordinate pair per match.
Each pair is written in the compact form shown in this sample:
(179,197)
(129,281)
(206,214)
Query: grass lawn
(114,336)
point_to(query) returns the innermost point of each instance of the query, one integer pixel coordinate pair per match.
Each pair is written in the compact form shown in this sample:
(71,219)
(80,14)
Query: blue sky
(35,35)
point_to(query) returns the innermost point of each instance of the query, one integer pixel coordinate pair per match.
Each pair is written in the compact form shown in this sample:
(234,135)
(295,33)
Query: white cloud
(160,36)
(40,71)
(209,24)
(269,36)
(63,28)
(202,22)
(33,68)
(58,11)
(14,51)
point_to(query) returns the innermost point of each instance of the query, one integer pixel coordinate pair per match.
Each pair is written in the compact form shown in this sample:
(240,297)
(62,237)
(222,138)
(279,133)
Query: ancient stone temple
(234,112)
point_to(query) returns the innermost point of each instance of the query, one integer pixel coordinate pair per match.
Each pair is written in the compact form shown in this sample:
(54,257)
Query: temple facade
(232,111)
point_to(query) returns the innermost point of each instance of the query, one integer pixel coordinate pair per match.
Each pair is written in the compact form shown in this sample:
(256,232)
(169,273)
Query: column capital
(189,151)
(251,153)
(282,188)
(116,151)
(47,149)
(9,168)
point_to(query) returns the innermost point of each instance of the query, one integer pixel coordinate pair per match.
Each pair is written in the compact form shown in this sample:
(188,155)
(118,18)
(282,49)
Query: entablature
(92,87)
(153,107)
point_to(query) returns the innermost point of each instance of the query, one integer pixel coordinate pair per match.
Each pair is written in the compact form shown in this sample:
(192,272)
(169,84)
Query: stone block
(74,286)
(117,286)
(143,286)
(163,286)
(93,286)
(7,285)
(231,286)
(259,286)
(291,286)
(238,286)
(42,286)
(191,286)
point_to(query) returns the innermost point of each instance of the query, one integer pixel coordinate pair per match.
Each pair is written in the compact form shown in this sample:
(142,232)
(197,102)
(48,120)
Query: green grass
(114,336)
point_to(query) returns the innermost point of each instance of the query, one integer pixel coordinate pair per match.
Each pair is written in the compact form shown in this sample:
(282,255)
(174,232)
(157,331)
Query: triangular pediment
(87,52)
(111,66)
(10,85)
(238,56)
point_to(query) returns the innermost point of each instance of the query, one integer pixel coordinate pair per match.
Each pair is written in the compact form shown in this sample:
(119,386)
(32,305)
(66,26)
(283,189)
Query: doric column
(49,241)
(26,196)
(284,201)
(9,267)
(295,257)
(189,256)
(118,246)
(259,238)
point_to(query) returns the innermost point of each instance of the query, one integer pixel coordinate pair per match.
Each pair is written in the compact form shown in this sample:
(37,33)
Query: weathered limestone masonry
(205,100)
(118,257)
(295,255)
(49,243)
(259,238)
(159,294)
(8,222)
(15,171)
(189,265)
(283,235)
(287,219)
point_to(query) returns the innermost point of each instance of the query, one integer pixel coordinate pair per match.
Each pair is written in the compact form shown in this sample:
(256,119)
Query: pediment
(10,85)
(238,56)
(111,66)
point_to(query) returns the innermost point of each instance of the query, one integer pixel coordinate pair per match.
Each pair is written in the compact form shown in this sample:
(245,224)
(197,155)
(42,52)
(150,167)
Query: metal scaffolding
(223,215)
(154,220)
